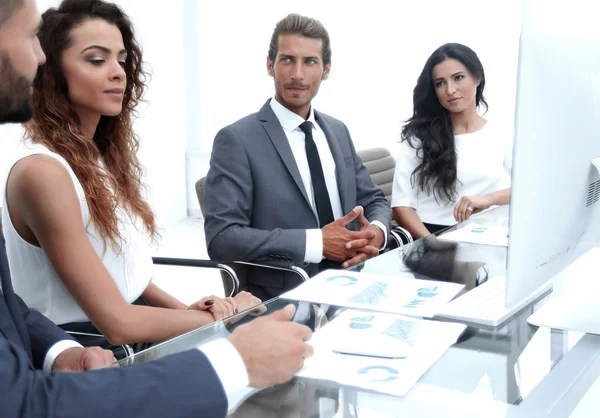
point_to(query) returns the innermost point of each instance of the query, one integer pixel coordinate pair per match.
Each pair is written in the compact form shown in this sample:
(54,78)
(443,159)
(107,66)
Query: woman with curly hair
(451,162)
(77,227)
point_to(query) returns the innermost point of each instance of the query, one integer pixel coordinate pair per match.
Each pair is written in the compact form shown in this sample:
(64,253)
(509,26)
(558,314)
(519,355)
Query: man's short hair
(8,8)
(295,24)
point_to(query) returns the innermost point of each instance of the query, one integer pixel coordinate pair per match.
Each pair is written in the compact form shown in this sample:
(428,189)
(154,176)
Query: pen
(388,356)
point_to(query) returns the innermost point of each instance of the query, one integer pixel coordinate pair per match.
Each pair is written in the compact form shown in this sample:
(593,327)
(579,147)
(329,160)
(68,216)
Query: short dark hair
(8,8)
(295,24)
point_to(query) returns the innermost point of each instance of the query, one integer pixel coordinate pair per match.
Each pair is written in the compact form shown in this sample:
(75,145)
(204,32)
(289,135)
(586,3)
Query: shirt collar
(288,119)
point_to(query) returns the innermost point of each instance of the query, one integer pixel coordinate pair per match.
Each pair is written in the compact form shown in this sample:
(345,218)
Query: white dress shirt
(228,365)
(290,122)
(55,351)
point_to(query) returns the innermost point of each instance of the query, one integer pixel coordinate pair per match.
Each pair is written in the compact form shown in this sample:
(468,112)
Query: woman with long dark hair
(451,163)
(77,227)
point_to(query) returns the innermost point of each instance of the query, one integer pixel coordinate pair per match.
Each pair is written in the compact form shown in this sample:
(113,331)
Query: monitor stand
(575,301)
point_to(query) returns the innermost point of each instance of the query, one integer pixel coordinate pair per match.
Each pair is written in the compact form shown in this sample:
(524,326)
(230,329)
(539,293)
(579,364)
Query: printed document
(420,343)
(479,234)
(399,295)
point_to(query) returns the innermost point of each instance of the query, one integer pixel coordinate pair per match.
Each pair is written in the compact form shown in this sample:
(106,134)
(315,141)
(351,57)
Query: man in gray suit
(285,183)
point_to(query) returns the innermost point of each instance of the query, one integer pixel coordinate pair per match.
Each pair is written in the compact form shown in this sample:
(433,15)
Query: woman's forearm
(407,218)
(155,296)
(151,324)
(501,197)
(167,317)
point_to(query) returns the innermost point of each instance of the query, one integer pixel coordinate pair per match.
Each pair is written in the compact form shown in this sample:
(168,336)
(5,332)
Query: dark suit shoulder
(330,120)
(244,128)
(245,121)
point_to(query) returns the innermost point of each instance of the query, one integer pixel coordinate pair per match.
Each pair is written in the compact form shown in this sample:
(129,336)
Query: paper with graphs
(425,342)
(479,234)
(406,296)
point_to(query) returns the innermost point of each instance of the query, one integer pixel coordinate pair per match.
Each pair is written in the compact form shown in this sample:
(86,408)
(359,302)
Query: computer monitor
(555,185)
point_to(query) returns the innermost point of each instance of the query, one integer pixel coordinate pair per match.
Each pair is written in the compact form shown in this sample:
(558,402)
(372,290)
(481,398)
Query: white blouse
(483,163)
(33,276)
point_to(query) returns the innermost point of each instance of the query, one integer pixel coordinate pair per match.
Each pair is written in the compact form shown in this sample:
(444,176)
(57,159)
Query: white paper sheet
(479,234)
(406,296)
(426,341)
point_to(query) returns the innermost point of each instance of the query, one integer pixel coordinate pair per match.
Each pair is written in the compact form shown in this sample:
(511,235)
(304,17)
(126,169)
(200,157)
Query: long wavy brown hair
(56,125)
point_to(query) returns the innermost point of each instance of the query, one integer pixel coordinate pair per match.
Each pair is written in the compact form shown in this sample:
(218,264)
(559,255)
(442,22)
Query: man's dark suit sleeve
(177,386)
(368,195)
(43,333)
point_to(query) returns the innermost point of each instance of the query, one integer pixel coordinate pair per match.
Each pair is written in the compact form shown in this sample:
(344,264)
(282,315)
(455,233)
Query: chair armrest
(191,262)
(277,265)
(401,235)
(126,347)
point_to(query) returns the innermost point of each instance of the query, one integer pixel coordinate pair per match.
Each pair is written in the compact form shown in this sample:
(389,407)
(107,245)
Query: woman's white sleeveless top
(33,276)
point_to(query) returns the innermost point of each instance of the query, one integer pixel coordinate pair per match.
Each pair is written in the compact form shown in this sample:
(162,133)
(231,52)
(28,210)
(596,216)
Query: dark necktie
(316,174)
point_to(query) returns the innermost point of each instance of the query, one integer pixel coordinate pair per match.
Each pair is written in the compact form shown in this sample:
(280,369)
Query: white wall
(162,125)
(208,61)
(579,19)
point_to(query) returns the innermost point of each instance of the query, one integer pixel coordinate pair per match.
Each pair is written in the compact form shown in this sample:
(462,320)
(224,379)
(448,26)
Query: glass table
(509,371)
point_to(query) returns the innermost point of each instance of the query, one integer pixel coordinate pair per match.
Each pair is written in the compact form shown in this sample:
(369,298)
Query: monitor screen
(555,186)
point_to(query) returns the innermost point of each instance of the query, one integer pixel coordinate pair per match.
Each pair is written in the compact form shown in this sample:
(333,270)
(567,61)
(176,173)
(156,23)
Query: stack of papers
(418,343)
(479,234)
(407,296)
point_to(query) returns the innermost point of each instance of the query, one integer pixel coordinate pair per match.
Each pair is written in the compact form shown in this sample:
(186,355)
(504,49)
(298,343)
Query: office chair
(231,281)
(381,165)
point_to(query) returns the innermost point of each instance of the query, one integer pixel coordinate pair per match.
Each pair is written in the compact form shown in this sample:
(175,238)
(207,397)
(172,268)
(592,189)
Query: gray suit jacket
(256,207)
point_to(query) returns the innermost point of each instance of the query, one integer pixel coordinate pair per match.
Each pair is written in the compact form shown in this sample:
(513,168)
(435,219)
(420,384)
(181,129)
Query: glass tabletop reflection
(507,371)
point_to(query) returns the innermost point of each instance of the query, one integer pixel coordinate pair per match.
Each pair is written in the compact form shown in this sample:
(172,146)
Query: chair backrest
(380,165)
(240,269)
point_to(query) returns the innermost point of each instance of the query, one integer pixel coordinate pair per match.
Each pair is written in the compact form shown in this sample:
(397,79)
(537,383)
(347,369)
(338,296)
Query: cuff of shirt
(55,351)
(228,365)
(314,246)
(384,230)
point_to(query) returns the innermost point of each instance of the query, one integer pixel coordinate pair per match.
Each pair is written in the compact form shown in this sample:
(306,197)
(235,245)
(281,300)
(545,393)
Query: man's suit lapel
(11,319)
(280,142)
(338,157)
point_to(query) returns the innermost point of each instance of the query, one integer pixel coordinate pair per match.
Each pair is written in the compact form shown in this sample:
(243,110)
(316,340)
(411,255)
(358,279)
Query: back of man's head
(20,56)
(295,24)
(7,9)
